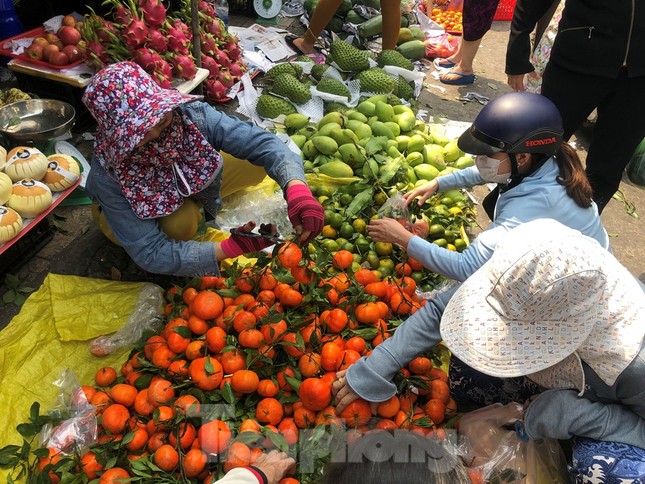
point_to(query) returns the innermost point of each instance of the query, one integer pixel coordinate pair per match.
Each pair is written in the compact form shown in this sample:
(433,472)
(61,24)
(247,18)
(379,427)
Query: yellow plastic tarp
(52,332)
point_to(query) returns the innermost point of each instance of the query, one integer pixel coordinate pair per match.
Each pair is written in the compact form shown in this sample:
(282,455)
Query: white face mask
(488,168)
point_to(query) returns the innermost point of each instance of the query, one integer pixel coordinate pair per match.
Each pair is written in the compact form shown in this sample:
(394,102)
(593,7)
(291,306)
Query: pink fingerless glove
(304,209)
(237,245)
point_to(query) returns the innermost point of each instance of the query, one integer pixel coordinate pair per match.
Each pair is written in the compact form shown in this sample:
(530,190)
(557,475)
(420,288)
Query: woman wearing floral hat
(551,305)
(155,148)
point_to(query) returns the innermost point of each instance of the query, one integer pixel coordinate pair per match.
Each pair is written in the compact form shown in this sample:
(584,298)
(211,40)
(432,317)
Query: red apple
(69,35)
(54,39)
(73,52)
(35,51)
(69,20)
(49,50)
(59,59)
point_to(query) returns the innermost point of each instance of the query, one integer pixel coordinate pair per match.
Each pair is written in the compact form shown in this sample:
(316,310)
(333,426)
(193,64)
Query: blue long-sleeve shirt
(538,196)
(144,241)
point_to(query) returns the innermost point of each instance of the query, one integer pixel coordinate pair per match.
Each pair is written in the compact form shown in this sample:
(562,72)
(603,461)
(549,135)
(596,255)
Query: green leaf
(182,331)
(390,169)
(19,300)
(34,412)
(228,394)
(208,366)
(26,290)
(27,430)
(376,144)
(293,382)
(366,333)
(12,280)
(278,439)
(9,296)
(359,202)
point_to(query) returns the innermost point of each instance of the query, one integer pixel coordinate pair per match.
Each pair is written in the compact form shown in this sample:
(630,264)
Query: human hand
(389,230)
(424,191)
(517,81)
(238,244)
(344,394)
(305,212)
(274,465)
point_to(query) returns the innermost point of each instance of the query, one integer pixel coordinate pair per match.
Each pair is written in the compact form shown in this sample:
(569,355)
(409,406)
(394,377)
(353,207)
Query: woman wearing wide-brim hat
(551,305)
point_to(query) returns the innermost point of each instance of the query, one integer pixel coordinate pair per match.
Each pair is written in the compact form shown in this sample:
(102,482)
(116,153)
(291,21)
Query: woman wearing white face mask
(517,140)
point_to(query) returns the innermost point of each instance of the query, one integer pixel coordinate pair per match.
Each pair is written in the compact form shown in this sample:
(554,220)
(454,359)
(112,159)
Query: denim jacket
(144,241)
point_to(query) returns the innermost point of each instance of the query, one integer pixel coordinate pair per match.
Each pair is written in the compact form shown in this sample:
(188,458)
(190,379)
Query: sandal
(289,39)
(441,63)
(462,79)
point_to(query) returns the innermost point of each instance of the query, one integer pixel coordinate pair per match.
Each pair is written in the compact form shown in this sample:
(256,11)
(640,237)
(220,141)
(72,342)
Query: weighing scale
(267,11)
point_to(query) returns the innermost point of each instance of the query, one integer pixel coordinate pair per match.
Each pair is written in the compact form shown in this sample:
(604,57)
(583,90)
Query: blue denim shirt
(144,241)
(538,196)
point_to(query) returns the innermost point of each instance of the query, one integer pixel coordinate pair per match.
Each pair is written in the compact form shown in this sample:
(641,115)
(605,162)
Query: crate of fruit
(59,50)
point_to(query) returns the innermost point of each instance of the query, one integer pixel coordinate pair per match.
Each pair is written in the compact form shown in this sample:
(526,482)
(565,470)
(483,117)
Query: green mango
(438,133)
(296,121)
(416,143)
(433,155)
(351,154)
(395,128)
(463,162)
(413,159)
(381,129)
(384,111)
(309,150)
(333,117)
(325,144)
(372,119)
(370,168)
(366,108)
(356,116)
(322,159)
(364,131)
(425,171)
(393,152)
(451,152)
(307,131)
(326,129)
(402,108)
(308,164)
(337,169)
(402,141)
(456,195)
(378,97)
(406,121)
(410,175)
(447,171)
(299,140)
(343,136)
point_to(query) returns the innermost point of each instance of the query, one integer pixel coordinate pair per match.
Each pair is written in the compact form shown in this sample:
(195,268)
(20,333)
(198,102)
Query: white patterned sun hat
(547,292)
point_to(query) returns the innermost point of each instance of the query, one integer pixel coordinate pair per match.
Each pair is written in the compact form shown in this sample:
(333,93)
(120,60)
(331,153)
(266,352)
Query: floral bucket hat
(127,104)
(548,297)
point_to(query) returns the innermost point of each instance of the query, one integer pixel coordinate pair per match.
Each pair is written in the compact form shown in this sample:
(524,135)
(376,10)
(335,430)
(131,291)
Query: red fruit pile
(59,49)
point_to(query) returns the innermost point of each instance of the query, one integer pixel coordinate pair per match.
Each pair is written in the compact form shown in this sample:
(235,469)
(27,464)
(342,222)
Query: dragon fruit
(208,43)
(121,14)
(135,33)
(106,31)
(177,40)
(207,9)
(232,48)
(183,27)
(225,77)
(146,58)
(154,12)
(237,70)
(183,66)
(215,89)
(157,41)
(210,64)
(221,58)
(214,27)
(96,55)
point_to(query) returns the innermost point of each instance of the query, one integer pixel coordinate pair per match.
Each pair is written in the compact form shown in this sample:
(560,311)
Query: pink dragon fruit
(121,14)
(237,70)
(135,33)
(210,64)
(206,8)
(233,50)
(177,41)
(221,58)
(208,43)
(157,41)
(183,66)
(106,31)
(214,27)
(182,26)
(154,12)
(96,55)
(215,89)
(146,59)
(225,77)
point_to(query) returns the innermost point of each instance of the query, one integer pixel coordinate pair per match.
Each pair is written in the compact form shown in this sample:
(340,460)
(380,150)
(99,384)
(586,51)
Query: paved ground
(82,250)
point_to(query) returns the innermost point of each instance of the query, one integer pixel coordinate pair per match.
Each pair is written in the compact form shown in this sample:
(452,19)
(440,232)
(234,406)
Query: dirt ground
(81,249)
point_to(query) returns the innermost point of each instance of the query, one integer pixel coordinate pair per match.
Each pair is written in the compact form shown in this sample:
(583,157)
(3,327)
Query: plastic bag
(441,46)
(491,446)
(147,315)
(257,206)
(78,430)
(636,167)
(395,208)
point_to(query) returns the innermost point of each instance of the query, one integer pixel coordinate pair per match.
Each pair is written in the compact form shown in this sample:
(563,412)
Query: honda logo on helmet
(540,142)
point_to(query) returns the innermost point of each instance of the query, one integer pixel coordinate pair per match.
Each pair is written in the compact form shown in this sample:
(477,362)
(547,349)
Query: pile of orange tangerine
(268,341)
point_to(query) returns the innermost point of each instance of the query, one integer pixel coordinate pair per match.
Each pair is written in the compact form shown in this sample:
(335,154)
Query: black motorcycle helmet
(518,122)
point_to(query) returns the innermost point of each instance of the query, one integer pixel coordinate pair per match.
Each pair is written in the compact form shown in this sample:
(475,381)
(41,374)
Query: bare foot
(303,45)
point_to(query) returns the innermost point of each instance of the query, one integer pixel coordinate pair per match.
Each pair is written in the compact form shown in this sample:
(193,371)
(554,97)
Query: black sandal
(289,38)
